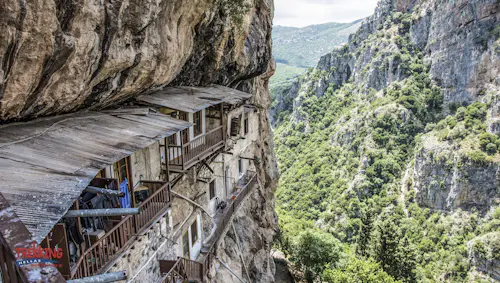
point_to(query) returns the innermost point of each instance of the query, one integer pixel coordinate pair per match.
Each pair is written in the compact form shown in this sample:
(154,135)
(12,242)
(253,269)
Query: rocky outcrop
(459,41)
(61,56)
(459,47)
(447,179)
(484,251)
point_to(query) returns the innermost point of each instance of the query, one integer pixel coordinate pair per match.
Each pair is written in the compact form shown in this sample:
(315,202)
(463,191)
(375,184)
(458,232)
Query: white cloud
(300,13)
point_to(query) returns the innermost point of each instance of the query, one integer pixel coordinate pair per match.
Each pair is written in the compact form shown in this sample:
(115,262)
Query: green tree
(314,251)
(392,248)
(363,246)
(358,271)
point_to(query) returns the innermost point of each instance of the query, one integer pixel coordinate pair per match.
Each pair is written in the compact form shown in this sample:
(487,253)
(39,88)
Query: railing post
(223,124)
(182,151)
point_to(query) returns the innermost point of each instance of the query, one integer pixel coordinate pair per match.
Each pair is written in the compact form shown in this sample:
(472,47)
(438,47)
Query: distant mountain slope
(302,47)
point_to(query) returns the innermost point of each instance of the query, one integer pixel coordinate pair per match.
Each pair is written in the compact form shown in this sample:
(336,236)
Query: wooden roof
(193,99)
(45,164)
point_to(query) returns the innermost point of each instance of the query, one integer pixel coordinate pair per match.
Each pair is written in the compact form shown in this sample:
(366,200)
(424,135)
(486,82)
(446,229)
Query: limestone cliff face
(458,40)
(446,179)
(61,56)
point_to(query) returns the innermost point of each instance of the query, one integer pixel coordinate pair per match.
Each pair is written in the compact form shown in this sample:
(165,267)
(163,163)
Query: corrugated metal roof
(194,99)
(45,164)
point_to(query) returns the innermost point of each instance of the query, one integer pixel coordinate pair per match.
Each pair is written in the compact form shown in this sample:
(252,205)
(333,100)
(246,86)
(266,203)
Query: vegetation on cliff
(297,49)
(347,153)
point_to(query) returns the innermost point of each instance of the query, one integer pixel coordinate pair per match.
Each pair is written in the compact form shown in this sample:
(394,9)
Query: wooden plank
(46,163)
(133,111)
(193,99)
(60,239)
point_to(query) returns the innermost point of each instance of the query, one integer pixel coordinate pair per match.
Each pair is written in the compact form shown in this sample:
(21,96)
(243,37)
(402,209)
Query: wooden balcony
(97,257)
(183,157)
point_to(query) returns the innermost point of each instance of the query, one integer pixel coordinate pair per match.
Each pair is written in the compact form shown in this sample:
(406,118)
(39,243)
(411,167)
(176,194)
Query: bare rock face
(459,40)
(446,179)
(61,56)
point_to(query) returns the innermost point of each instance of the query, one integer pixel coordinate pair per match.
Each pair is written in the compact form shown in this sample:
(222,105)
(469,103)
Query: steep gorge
(391,145)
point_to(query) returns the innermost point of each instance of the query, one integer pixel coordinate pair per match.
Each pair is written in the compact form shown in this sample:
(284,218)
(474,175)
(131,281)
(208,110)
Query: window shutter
(235,127)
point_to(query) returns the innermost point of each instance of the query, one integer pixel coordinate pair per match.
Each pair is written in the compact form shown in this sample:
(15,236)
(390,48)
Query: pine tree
(363,247)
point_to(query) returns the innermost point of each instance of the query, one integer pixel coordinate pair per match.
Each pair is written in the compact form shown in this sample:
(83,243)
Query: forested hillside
(297,49)
(389,150)
(302,47)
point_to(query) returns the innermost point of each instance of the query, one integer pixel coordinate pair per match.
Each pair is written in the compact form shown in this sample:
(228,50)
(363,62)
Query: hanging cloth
(125,200)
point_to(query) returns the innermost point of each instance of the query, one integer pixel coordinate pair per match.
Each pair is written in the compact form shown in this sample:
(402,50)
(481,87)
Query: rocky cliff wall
(248,246)
(61,56)
(457,44)
(458,39)
(65,56)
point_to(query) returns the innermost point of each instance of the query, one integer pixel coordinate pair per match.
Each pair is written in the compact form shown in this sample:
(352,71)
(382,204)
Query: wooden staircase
(181,271)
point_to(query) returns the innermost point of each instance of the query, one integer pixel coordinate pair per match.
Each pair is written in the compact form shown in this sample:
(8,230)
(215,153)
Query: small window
(185,244)
(245,126)
(198,129)
(101,174)
(235,126)
(121,170)
(172,140)
(212,189)
(194,232)
(240,166)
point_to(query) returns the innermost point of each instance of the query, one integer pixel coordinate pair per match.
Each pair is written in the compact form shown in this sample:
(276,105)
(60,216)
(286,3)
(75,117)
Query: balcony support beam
(101,212)
(102,278)
(208,166)
(102,191)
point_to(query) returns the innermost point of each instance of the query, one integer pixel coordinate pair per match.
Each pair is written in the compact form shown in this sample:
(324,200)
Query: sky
(301,13)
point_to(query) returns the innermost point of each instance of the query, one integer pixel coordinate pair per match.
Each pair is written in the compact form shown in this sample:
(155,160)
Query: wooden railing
(181,270)
(105,250)
(187,154)
(114,242)
(223,217)
(153,207)
(173,271)
(185,269)
(194,269)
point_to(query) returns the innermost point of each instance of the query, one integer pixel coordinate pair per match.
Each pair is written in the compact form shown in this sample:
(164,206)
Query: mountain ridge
(302,47)
(389,150)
